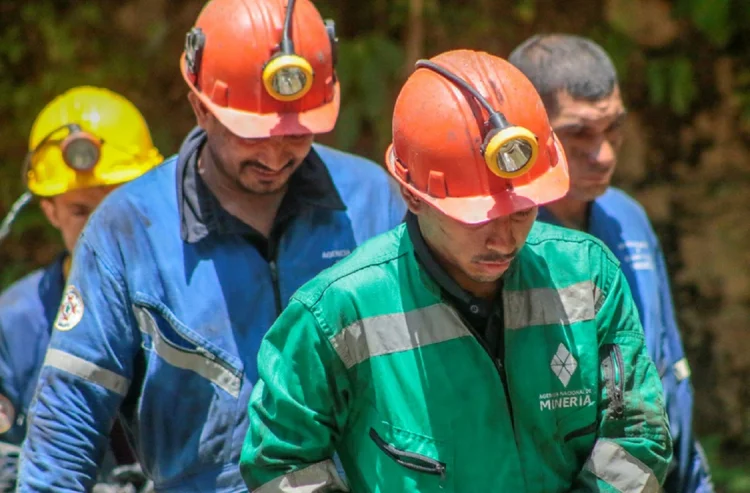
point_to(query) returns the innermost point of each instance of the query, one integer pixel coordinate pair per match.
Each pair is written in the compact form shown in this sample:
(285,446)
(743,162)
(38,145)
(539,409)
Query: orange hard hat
(471,138)
(264,67)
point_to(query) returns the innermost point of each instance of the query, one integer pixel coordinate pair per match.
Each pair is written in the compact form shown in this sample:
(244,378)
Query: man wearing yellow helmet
(83,144)
(178,275)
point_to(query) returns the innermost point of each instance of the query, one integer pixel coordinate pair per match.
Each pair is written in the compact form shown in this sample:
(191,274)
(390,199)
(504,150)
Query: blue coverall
(27,310)
(622,224)
(168,299)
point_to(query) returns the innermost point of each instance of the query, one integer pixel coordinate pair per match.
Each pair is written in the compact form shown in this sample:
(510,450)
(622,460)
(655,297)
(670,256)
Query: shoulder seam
(102,259)
(374,262)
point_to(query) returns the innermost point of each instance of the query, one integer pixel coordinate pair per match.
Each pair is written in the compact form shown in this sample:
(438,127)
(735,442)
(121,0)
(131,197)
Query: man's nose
(500,236)
(271,153)
(603,154)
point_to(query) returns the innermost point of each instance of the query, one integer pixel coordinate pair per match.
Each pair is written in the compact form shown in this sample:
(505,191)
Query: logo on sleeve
(335,254)
(7,414)
(637,254)
(71,309)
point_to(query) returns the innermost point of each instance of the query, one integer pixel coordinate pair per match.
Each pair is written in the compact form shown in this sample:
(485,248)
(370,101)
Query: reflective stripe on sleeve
(87,371)
(615,466)
(199,362)
(681,370)
(317,478)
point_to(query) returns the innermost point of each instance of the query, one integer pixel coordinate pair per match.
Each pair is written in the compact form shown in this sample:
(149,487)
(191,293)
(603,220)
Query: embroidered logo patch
(563,364)
(335,254)
(7,414)
(71,310)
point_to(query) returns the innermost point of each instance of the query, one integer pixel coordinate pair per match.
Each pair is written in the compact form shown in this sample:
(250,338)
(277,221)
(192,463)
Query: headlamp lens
(289,81)
(514,155)
(81,154)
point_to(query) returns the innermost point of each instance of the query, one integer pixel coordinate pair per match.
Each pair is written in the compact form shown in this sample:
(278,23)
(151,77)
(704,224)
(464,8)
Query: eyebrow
(79,205)
(587,123)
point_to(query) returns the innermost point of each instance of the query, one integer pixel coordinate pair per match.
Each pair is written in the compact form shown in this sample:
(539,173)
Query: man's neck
(66,265)
(256,210)
(571,213)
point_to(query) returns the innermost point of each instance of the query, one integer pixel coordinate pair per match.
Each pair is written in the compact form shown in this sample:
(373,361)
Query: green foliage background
(683,67)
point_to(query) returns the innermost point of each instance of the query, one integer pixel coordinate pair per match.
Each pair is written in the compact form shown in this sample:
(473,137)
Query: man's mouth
(265,171)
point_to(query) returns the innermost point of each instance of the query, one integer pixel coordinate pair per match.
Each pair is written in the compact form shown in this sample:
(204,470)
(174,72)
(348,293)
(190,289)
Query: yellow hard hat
(87,137)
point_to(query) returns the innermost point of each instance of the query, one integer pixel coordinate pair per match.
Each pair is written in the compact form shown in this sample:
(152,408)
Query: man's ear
(202,115)
(413,202)
(50,210)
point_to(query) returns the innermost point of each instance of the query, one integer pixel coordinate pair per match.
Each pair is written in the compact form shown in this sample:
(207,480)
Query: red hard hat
(227,50)
(439,130)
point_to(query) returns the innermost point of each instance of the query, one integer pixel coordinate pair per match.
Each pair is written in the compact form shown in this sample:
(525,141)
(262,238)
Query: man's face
(475,256)
(70,211)
(591,134)
(259,166)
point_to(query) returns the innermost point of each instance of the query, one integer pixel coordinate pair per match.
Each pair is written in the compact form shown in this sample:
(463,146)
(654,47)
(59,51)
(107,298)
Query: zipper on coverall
(410,460)
(498,362)
(273,247)
(613,367)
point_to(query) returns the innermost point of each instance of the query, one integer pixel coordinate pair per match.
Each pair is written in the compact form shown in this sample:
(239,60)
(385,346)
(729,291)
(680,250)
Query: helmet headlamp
(81,151)
(287,76)
(508,150)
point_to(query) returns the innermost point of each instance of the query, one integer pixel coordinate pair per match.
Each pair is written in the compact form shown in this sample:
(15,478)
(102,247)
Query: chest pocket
(182,374)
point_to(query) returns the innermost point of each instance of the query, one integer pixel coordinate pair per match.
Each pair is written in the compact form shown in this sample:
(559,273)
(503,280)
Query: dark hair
(563,62)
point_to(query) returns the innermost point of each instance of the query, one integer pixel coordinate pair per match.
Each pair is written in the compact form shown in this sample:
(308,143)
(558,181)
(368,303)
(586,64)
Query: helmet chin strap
(19,204)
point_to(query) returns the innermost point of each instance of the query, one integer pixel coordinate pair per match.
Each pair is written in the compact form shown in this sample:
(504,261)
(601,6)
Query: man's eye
(615,127)
(581,133)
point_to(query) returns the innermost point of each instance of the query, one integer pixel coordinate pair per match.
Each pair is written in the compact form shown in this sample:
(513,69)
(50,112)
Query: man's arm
(9,452)
(297,409)
(633,446)
(689,472)
(86,374)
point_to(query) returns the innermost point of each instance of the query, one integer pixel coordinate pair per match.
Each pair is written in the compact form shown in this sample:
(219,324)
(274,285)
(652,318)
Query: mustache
(251,163)
(495,257)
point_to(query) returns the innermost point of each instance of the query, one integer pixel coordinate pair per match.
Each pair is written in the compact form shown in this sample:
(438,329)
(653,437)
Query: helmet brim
(249,125)
(551,186)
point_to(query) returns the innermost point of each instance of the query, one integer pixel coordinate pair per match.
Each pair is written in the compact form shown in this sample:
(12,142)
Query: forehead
(583,112)
(83,196)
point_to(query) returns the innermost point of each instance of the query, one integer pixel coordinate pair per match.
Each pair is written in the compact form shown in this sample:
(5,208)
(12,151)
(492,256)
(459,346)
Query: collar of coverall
(201,213)
(466,301)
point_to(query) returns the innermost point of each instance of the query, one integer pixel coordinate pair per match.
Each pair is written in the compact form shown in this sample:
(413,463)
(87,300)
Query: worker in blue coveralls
(83,144)
(179,274)
(578,85)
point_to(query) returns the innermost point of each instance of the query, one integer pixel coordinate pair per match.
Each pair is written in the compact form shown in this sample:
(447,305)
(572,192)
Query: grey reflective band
(546,306)
(9,450)
(317,478)
(386,334)
(681,370)
(201,363)
(87,371)
(615,466)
